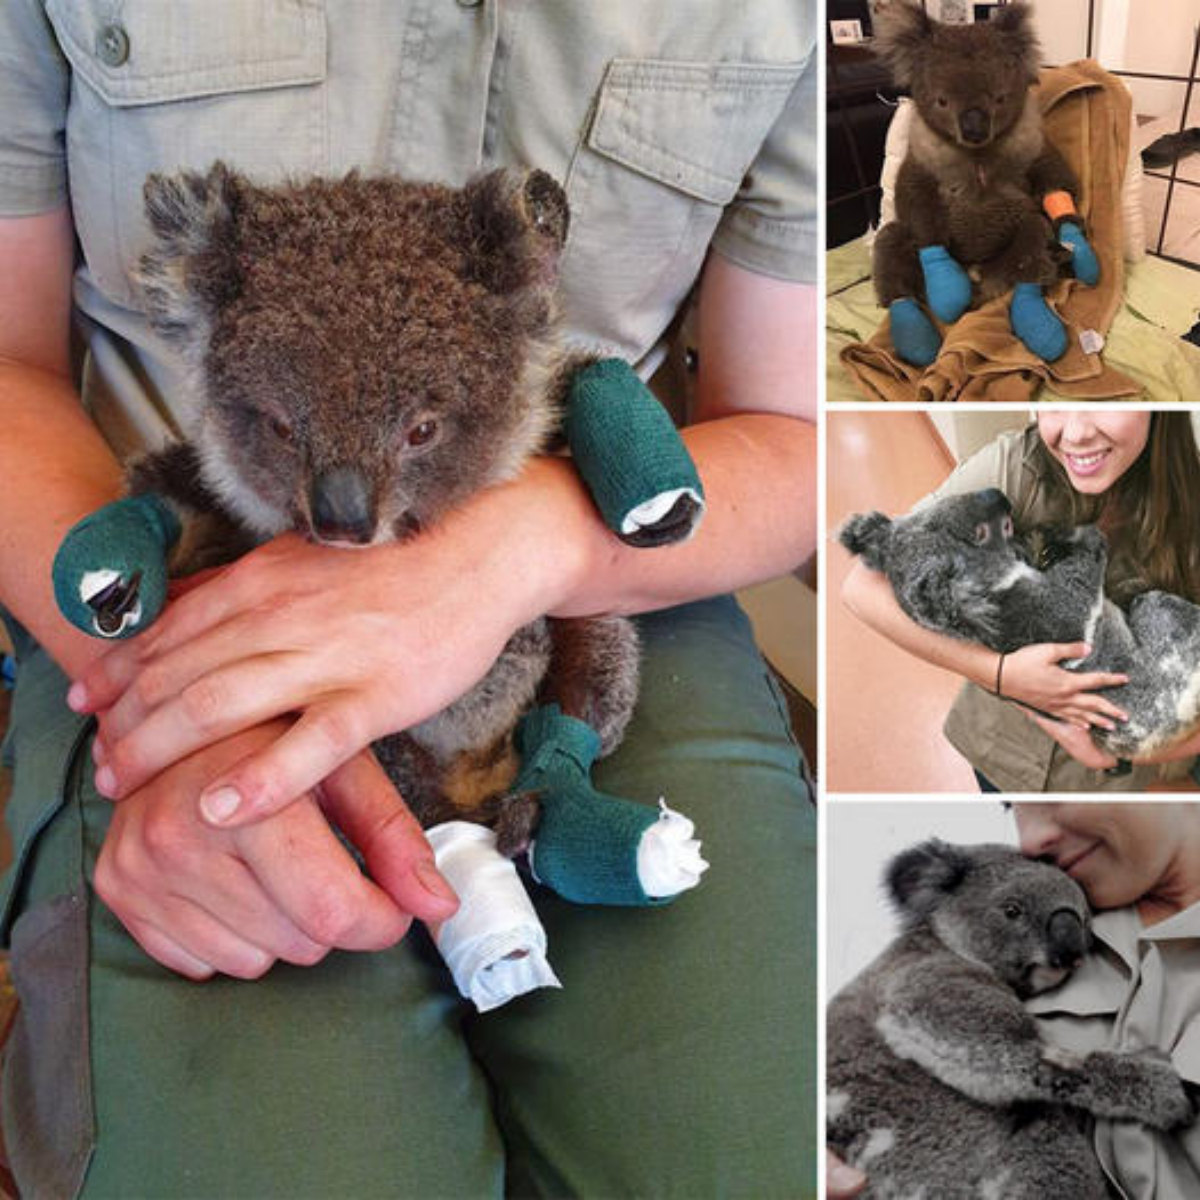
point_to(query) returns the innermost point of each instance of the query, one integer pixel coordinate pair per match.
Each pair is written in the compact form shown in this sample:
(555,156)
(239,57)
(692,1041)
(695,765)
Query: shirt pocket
(167,87)
(667,147)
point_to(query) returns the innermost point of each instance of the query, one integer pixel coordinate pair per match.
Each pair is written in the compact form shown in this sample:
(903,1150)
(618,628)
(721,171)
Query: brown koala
(969,222)
(365,354)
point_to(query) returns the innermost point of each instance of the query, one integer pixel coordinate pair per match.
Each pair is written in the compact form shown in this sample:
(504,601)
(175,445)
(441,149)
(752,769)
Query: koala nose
(974,126)
(1068,938)
(341,507)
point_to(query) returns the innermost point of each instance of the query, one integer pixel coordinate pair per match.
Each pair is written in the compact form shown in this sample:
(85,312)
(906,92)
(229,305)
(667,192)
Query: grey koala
(364,354)
(956,566)
(938,1083)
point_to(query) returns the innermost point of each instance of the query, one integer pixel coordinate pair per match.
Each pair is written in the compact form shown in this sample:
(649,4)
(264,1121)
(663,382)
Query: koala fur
(978,165)
(957,567)
(938,1083)
(364,354)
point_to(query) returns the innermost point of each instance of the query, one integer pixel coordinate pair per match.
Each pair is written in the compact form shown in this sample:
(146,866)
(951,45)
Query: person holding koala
(1131,473)
(1137,988)
(337,1073)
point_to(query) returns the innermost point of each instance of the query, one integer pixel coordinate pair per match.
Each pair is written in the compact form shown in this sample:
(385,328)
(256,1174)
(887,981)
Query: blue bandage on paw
(914,335)
(1036,323)
(1083,258)
(947,285)
(631,457)
(110,573)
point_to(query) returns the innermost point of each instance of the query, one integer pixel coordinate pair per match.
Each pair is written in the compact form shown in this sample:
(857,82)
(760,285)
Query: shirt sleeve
(34,88)
(771,226)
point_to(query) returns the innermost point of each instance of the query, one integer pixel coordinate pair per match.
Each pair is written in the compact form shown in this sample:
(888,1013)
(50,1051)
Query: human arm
(1031,676)
(362,643)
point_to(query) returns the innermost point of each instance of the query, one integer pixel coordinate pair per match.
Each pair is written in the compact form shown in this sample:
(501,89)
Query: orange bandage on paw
(1058,204)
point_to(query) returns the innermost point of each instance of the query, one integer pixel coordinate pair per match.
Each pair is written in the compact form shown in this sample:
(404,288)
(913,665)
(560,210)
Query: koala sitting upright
(365,354)
(979,187)
(938,1083)
(957,567)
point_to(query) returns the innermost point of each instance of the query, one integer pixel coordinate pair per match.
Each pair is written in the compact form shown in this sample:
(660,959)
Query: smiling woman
(1129,473)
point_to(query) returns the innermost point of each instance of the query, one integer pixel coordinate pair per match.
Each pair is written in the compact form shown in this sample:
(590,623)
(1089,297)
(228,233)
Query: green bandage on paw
(631,457)
(590,847)
(110,573)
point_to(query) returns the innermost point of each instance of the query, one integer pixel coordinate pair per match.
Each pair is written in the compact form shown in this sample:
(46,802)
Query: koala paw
(1036,323)
(947,285)
(1145,1087)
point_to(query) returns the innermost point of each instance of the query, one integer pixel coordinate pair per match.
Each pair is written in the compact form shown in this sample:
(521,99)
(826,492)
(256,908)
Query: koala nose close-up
(975,126)
(341,506)
(1068,938)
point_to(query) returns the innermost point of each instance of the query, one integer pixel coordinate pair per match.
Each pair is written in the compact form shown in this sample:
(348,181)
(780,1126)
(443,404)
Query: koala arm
(919,205)
(973,1035)
(56,466)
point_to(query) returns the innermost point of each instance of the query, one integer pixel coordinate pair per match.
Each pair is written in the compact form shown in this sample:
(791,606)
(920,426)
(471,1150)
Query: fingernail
(432,880)
(106,782)
(846,1177)
(219,805)
(77,697)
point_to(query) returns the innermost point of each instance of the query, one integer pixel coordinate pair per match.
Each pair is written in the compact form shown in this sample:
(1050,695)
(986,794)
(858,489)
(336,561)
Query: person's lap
(679,1058)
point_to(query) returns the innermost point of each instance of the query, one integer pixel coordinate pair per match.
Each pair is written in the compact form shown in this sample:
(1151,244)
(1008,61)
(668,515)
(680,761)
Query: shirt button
(112,45)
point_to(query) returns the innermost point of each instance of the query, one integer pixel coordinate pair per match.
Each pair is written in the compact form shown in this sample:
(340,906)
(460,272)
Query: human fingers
(142,734)
(1077,742)
(364,805)
(321,740)
(167,951)
(842,1181)
(310,877)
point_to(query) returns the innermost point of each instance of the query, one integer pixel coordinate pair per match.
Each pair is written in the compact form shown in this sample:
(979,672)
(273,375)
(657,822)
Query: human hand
(1076,742)
(842,1181)
(359,643)
(203,901)
(1032,676)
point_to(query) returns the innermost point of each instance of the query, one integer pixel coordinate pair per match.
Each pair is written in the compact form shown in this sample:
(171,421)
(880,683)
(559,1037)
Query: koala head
(946,561)
(367,352)
(1025,921)
(969,82)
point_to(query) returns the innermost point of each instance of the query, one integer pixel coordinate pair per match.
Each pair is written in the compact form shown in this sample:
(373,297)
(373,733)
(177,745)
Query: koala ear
(1015,22)
(920,878)
(516,226)
(868,534)
(902,33)
(190,269)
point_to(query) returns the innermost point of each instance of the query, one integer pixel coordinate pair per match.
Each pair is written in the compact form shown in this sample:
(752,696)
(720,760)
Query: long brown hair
(1151,514)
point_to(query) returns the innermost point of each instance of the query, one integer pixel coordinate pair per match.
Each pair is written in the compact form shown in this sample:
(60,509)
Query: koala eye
(981,533)
(280,428)
(423,432)
(1001,99)
(942,102)
(1012,910)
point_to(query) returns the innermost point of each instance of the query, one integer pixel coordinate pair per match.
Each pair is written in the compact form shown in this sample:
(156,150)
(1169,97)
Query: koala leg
(589,846)
(974,1036)
(899,280)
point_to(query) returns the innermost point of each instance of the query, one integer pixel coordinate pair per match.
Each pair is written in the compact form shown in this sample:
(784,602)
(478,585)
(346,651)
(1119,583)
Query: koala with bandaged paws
(957,567)
(938,1083)
(984,204)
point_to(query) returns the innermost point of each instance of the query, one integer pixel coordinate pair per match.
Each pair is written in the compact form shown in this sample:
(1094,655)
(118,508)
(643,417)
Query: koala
(969,221)
(938,1083)
(957,567)
(365,354)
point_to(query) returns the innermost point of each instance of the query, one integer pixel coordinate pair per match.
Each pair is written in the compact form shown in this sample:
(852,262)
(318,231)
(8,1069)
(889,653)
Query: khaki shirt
(995,735)
(673,126)
(1139,989)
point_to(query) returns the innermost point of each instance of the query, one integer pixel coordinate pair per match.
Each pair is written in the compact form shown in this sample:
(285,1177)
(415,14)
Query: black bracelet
(999,675)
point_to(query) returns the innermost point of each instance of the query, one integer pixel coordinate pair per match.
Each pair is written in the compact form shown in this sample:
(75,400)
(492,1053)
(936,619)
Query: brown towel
(1086,112)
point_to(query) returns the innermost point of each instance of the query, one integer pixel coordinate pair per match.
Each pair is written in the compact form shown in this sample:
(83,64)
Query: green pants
(678,1060)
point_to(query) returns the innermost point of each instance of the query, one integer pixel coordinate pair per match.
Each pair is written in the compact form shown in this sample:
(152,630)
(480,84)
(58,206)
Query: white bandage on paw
(668,856)
(651,511)
(494,945)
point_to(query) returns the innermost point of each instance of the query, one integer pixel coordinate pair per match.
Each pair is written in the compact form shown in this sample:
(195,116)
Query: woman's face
(1095,448)
(1119,853)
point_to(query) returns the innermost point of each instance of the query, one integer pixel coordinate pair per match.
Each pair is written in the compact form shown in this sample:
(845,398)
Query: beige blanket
(1086,112)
